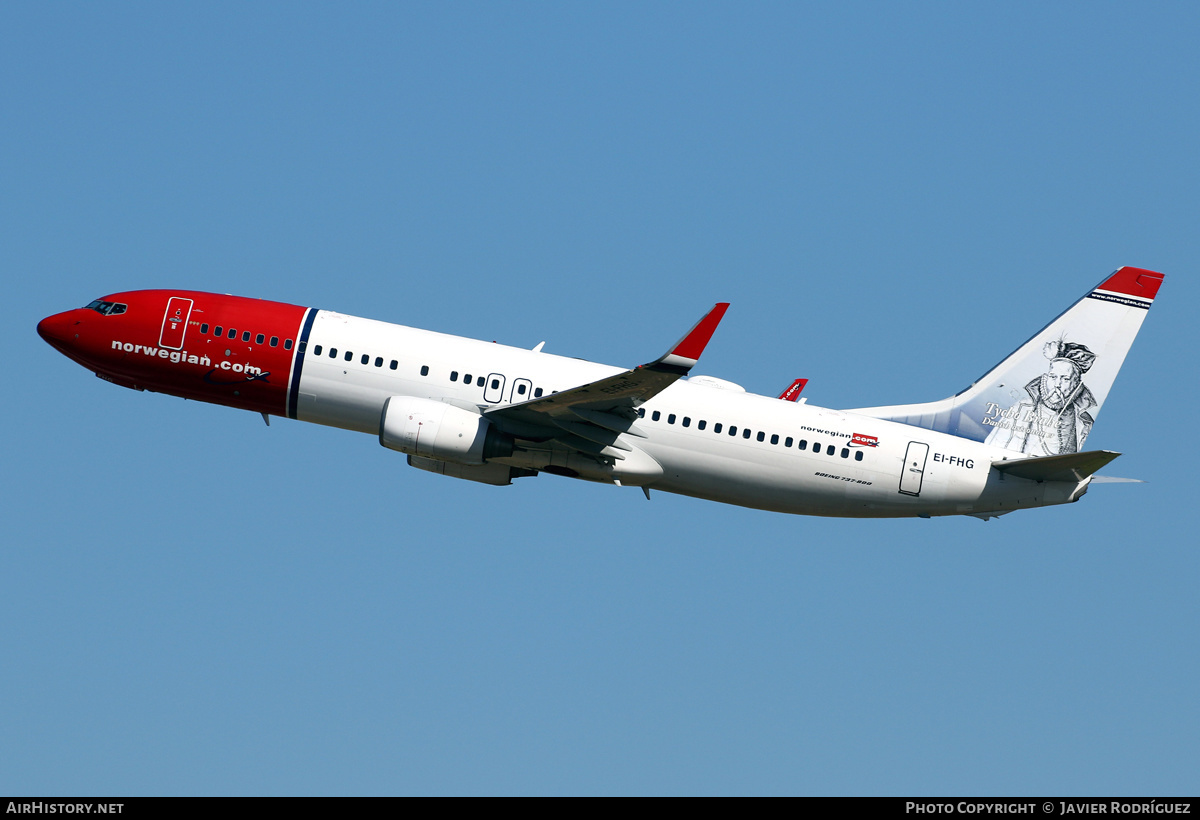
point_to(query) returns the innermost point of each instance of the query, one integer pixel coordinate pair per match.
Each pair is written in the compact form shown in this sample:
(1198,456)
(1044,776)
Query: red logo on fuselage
(861,440)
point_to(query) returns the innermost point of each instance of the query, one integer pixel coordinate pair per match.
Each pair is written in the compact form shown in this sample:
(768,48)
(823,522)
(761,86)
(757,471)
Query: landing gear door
(175,323)
(912,473)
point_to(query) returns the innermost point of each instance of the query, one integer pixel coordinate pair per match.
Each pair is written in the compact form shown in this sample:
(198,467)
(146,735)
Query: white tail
(1044,398)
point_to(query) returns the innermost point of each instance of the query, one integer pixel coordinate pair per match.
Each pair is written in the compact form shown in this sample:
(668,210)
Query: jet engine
(436,430)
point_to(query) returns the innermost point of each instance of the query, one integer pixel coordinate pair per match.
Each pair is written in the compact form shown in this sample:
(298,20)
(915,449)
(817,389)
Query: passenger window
(858,455)
(787,442)
(671,419)
(218,330)
(317,350)
(829,450)
(365,359)
(774,438)
(479,381)
(761,435)
(467,380)
(717,427)
(204,328)
(393,365)
(537,393)
(816,447)
(259,339)
(803,445)
(520,390)
(349,355)
(453,375)
(287,345)
(657,415)
(245,335)
(700,425)
(232,333)
(732,430)
(424,370)
(333,352)
(495,384)
(379,361)
(274,341)
(687,422)
(746,433)
(641,412)
(845,452)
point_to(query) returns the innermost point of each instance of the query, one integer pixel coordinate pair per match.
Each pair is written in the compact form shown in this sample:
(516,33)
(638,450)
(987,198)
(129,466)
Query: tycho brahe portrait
(1054,419)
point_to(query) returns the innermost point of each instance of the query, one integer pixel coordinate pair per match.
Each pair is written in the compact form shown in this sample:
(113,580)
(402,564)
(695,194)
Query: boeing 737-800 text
(491,413)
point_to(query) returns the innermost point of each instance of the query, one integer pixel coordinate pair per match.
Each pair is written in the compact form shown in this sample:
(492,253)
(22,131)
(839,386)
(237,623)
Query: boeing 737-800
(492,413)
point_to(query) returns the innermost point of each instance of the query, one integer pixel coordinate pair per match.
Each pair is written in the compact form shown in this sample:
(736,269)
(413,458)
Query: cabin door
(175,323)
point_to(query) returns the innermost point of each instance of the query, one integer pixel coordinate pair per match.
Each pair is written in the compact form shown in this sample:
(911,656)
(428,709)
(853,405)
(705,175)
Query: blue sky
(892,197)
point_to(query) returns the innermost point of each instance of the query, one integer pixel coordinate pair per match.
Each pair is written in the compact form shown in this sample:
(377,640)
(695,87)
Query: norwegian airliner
(490,413)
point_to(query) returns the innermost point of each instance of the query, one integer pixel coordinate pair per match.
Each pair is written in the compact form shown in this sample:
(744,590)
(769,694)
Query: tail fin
(1044,398)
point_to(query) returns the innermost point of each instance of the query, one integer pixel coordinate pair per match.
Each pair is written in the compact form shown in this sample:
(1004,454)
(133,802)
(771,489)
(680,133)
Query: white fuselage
(909,471)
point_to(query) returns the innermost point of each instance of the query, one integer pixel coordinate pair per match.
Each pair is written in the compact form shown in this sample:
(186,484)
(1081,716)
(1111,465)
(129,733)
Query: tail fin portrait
(1044,398)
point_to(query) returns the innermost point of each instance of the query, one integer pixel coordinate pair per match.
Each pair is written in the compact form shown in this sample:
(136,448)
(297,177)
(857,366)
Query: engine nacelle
(436,430)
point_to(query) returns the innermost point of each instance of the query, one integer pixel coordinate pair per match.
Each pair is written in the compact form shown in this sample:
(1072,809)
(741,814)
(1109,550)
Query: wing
(591,418)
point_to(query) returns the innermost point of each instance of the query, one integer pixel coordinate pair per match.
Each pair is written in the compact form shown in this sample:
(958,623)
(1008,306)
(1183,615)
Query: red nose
(60,329)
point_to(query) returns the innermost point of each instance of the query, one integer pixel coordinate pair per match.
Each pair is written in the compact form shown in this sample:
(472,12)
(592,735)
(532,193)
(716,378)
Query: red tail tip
(1133,282)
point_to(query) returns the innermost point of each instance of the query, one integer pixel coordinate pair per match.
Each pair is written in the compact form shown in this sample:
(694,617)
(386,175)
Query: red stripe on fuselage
(125,347)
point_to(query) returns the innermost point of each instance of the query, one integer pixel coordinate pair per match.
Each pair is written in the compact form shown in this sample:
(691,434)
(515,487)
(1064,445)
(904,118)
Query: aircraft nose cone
(58,329)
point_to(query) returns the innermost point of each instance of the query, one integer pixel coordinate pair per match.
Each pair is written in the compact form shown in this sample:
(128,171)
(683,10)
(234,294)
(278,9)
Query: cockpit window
(107,308)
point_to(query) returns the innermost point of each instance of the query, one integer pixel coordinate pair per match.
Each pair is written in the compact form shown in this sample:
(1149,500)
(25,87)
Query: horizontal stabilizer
(1074,467)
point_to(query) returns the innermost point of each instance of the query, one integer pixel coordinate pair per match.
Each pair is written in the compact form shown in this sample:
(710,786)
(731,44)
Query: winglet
(793,392)
(687,350)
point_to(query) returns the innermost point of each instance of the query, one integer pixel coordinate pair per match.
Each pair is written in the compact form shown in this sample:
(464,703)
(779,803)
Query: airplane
(491,413)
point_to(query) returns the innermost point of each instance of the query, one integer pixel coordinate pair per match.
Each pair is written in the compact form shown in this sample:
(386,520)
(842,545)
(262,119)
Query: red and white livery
(491,413)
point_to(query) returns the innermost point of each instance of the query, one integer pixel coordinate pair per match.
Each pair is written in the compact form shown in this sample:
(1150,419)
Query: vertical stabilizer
(1044,398)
